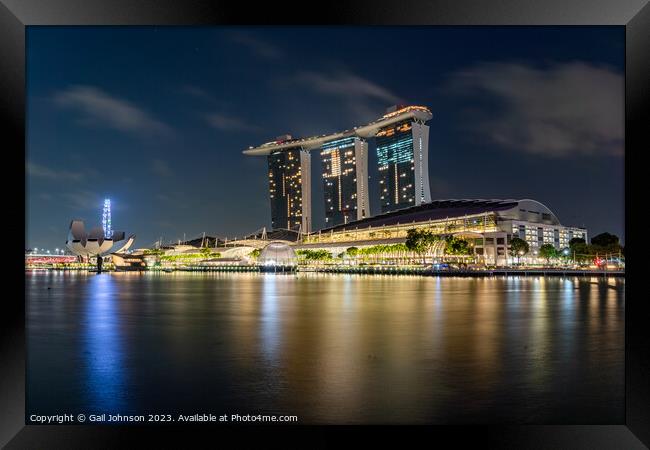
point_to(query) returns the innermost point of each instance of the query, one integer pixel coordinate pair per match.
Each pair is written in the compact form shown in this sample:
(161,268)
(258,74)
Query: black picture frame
(634,15)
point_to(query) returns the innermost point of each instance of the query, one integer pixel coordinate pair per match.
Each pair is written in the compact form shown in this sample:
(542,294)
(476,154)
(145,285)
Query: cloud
(229,123)
(160,167)
(569,109)
(83,200)
(178,200)
(199,93)
(163,224)
(87,200)
(99,108)
(194,91)
(362,99)
(346,84)
(257,46)
(39,171)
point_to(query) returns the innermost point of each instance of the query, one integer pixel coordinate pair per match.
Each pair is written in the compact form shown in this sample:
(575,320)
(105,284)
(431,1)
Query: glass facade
(285,188)
(339,163)
(396,166)
(402,155)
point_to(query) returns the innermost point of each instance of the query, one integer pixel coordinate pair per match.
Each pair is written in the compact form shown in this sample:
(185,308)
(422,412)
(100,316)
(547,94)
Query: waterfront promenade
(396,270)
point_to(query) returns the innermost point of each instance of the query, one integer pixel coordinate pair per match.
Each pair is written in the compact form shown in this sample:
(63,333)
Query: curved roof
(122,246)
(278,253)
(441,209)
(437,209)
(533,211)
(365,131)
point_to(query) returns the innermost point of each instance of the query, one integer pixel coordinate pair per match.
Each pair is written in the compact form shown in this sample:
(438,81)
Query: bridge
(36,258)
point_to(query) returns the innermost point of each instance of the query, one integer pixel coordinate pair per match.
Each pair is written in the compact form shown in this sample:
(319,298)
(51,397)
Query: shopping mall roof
(436,210)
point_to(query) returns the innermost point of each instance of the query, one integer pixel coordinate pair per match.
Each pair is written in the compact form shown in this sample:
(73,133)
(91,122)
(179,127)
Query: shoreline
(385,270)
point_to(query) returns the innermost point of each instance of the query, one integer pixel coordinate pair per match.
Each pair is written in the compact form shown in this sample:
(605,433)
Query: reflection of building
(345,180)
(290,189)
(488,225)
(402,140)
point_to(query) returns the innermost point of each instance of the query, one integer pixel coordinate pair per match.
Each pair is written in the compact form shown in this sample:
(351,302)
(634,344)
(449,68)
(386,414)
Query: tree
(605,243)
(429,240)
(518,247)
(420,241)
(456,246)
(547,251)
(581,251)
(352,251)
(414,241)
(318,255)
(565,253)
(605,240)
(576,241)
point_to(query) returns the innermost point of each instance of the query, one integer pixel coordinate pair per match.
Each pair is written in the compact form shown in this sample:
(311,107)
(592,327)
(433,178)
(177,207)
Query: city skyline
(163,139)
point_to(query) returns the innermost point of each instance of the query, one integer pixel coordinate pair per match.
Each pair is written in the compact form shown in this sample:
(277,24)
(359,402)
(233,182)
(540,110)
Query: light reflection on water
(105,382)
(328,348)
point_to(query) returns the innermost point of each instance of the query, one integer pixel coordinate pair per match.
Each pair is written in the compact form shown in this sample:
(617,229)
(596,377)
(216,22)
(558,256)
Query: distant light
(106,219)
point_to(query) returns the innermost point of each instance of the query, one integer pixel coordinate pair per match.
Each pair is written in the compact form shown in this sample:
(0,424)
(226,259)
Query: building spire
(106,219)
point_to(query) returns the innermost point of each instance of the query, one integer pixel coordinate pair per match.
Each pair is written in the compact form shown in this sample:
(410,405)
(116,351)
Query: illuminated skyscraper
(345,180)
(290,189)
(106,219)
(402,159)
(402,150)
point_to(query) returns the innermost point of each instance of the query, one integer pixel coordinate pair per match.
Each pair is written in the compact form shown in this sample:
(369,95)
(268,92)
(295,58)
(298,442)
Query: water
(327,348)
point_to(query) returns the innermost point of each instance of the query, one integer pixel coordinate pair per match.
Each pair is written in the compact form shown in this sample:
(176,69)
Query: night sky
(156,118)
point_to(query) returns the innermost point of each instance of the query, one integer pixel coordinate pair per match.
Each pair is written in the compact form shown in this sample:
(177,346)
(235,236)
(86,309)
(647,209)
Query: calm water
(327,348)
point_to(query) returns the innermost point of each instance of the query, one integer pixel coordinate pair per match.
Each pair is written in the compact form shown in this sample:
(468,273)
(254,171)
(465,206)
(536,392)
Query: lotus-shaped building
(95,243)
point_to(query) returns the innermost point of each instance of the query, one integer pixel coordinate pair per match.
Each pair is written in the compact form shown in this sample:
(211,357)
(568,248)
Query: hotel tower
(402,141)
(345,180)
